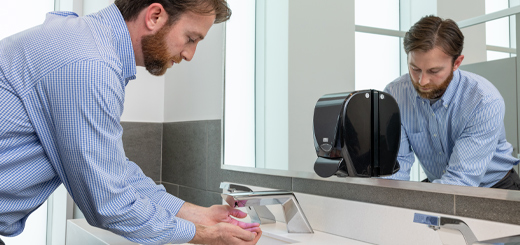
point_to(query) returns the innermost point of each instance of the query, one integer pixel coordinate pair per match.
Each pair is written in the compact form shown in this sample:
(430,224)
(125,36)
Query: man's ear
(155,17)
(457,62)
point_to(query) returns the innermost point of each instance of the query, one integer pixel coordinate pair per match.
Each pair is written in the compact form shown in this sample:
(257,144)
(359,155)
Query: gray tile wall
(191,158)
(143,145)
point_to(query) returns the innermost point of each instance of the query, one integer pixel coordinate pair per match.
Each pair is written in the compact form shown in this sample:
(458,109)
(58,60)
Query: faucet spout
(294,216)
(258,214)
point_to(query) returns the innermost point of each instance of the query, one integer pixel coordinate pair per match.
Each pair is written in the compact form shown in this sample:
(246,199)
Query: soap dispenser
(357,134)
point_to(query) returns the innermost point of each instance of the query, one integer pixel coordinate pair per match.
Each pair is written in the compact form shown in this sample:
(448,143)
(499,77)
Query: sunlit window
(500,33)
(377,56)
(378,13)
(239,107)
(377,60)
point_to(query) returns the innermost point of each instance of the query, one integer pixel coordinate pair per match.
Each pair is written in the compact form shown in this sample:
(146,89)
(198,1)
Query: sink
(80,232)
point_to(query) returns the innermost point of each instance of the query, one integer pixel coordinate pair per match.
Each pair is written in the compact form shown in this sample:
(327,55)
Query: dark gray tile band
(171,188)
(214,174)
(262,180)
(488,209)
(185,153)
(143,143)
(199,197)
(431,202)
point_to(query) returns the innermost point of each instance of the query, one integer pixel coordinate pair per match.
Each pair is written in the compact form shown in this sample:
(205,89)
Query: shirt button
(433,114)
(435,135)
(446,106)
(443,171)
(440,153)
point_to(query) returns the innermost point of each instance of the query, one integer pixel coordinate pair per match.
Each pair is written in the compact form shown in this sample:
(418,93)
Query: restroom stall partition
(503,74)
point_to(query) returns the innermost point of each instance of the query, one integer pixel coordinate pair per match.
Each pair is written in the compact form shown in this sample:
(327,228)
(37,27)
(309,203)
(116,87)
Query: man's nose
(188,53)
(424,79)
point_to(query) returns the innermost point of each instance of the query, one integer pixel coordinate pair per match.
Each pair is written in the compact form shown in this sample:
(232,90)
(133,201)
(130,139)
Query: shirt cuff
(184,232)
(171,203)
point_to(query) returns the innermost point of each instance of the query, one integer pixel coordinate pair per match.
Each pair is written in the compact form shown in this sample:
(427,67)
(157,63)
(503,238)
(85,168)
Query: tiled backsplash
(143,145)
(191,170)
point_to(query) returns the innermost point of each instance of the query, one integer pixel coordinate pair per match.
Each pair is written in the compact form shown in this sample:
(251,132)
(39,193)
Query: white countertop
(278,231)
(272,234)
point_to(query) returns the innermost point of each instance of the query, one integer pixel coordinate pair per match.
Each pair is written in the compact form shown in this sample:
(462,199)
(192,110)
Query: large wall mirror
(283,55)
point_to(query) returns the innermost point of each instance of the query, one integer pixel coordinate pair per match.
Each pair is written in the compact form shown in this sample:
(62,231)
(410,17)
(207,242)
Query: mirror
(300,50)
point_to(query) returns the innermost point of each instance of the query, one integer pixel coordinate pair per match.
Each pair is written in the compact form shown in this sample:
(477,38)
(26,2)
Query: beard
(436,91)
(155,52)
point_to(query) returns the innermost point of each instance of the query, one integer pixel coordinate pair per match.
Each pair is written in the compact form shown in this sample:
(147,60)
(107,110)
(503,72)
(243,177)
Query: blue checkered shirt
(62,88)
(460,139)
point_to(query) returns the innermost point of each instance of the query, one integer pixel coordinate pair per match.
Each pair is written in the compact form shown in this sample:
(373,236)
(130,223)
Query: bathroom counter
(79,232)
(278,232)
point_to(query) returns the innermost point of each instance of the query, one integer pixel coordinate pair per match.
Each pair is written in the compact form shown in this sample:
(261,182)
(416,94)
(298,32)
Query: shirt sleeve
(85,101)
(476,146)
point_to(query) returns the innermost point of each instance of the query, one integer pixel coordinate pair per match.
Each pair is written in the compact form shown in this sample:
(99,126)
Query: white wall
(144,98)
(193,90)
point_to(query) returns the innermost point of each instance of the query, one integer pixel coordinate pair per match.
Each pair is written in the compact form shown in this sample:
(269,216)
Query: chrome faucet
(438,223)
(259,214)
(256,201)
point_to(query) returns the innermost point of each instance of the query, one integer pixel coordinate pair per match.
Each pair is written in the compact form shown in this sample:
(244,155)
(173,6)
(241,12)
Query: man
(451,119)
(62,88)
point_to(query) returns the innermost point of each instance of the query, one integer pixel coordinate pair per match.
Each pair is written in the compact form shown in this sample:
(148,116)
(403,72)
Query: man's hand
(213,215)
(223,233)
(216,226)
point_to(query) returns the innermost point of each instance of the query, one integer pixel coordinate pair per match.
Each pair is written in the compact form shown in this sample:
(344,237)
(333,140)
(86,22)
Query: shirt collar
(112,17)
(452,88)
(448,94)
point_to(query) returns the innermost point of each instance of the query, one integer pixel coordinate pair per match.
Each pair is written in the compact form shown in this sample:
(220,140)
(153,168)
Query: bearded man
(451,119)
(62,88)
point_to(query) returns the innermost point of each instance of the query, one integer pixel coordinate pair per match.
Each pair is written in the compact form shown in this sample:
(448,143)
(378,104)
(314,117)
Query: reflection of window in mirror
(239,91)
(500,33)
(248,112)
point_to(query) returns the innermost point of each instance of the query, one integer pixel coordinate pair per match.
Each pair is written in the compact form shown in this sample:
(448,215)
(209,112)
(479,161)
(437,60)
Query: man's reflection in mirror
(453,120)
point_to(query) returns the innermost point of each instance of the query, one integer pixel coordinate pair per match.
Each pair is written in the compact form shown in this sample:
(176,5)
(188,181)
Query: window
(239,91)
(500,33)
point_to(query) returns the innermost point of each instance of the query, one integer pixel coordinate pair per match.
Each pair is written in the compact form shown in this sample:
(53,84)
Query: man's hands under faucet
(225,233)
(215,225)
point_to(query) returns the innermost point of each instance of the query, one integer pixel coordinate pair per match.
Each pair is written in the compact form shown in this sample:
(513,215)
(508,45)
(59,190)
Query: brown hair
(175,8)
(431,31)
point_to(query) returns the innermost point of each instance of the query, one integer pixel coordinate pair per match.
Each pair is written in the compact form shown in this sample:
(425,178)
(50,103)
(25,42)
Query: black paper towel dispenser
(357,134)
